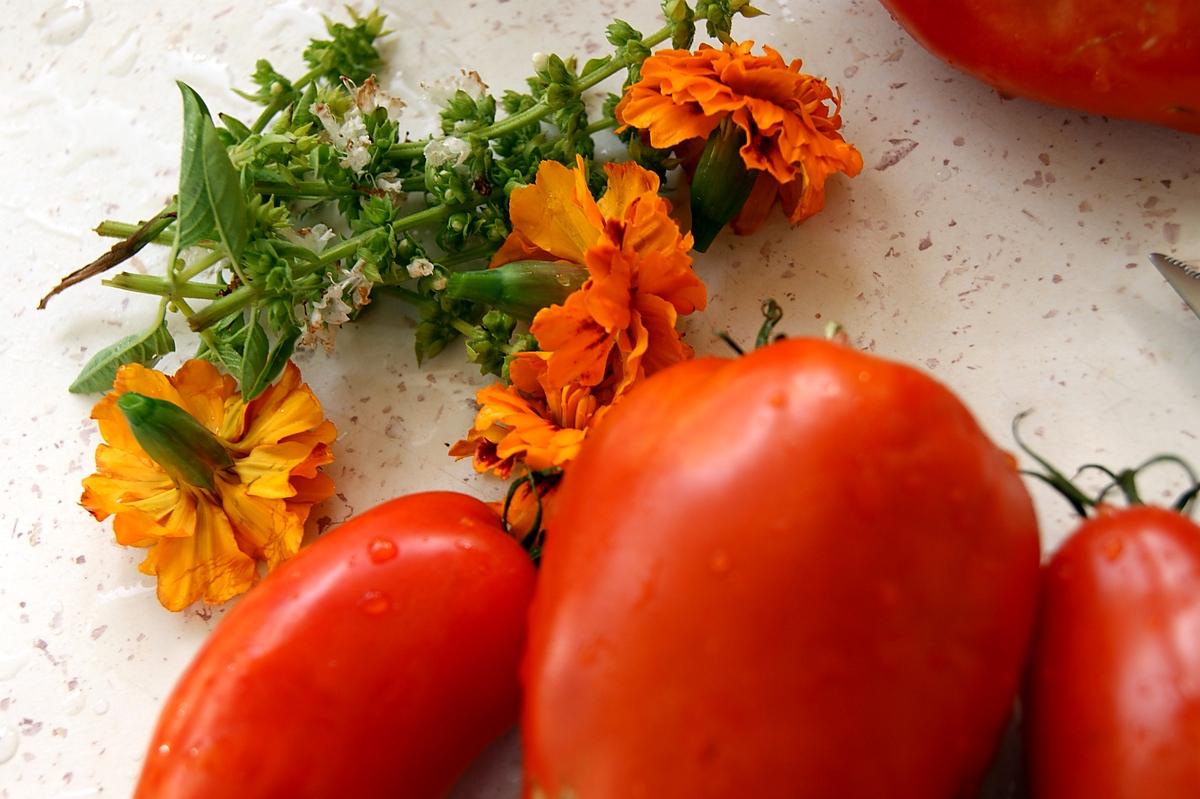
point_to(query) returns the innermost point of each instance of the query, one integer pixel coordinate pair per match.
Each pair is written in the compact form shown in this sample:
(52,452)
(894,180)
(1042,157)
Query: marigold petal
(627,181)
(205,565)
(267,470)
(664,346)
(284,409)
(263,528)
(309,492)
(759,204)
(554,215)
(668,122)
(579,346)
(204,392)
(605,297)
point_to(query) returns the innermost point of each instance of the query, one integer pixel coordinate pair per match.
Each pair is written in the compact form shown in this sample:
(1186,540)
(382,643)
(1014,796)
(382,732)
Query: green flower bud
(184,448)
(721,185)
(521,288)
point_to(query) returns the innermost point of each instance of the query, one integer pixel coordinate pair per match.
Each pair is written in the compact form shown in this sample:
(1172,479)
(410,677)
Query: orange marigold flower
(640,276)
(790,127)
(205,540)
(529,421)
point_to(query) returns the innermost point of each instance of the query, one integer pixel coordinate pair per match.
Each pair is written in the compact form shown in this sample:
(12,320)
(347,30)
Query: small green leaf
(254,355)
(145,348)
(236,127)
(280,353)
(226,200)
(195,218)
(211,202)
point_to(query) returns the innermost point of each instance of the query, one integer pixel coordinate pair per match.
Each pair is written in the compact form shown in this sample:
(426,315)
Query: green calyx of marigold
(721,185)
(520,288)
(183,447)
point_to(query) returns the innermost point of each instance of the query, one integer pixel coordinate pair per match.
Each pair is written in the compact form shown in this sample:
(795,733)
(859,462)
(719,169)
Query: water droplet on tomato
(194,751)
(464,545)
(164,749)
(374,602)
(1112,548)
(718,562)
(381,550)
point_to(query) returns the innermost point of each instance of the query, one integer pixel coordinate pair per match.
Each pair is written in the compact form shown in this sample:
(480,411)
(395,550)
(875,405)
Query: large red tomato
(1139,60)
(1113,705)
(804,573)
(378,662)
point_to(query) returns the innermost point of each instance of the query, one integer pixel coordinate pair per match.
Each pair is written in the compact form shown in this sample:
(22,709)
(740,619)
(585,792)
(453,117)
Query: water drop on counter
(100,706)
(122,57)
(381,550)
(73,702)
(64,21)
(12,663)
(943,174)
(8,743)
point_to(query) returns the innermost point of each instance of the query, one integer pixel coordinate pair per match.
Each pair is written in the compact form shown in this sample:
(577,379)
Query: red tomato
(378,662)
(1113,701)
(1139,60)
(804,573)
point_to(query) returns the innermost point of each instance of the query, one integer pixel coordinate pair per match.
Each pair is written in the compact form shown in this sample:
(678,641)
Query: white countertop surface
(1001,245)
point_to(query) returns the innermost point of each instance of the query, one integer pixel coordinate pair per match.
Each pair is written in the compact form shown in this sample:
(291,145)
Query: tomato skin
(1133,60)
(804,573)
(1113,698)
(356,669)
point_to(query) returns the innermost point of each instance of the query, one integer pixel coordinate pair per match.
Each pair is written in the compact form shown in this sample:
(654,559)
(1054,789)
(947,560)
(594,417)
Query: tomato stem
(1124,480)
(772,313)
(1052,476)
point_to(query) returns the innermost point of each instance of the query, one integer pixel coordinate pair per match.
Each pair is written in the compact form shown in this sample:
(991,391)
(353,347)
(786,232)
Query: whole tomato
(1139,60)
(804,573)
(378,662)
(1112,708)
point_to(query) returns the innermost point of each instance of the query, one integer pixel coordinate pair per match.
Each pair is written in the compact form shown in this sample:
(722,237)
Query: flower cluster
(209,483)
(616,329)
(789,142)
(216,483)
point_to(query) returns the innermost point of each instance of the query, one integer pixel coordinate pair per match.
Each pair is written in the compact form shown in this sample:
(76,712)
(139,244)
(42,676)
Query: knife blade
(1183,277)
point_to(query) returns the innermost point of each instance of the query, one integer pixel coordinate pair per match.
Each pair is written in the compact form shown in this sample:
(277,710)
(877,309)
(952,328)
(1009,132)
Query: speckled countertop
(998,244)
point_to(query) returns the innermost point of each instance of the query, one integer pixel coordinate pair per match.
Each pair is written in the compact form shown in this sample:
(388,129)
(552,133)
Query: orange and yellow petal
(263,528)
(207,565)
(557,214)
(284,409)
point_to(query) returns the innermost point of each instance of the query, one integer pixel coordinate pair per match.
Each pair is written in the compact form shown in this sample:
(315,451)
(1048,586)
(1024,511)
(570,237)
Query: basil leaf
(278,359)
(195,218)
(254,357)
(211,203)
(226,333)
(145,348)
(236,127)
(224,191)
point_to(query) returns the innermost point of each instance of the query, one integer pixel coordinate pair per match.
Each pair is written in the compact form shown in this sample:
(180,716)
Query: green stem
(539,110)
(607,123)
(303,188)
(200,265)
(241,297)
(112,229)
(147,284)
